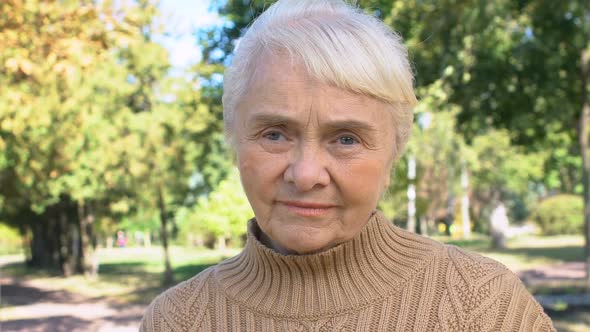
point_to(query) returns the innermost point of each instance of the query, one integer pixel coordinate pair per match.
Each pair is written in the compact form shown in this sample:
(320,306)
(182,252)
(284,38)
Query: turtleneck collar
(377,262)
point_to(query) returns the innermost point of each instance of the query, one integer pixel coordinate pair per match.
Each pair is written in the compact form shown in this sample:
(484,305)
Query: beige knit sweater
(386,279)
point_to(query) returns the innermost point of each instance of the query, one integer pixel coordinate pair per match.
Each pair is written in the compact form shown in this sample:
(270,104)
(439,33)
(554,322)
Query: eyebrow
(351,125)
(278,119)
(271,120)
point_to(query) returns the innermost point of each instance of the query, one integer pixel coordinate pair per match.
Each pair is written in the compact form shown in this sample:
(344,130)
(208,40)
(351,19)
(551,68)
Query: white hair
(338,45)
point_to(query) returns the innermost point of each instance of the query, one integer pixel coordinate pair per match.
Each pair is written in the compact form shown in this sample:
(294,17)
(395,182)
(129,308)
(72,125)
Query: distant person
(121,239)
(318,107)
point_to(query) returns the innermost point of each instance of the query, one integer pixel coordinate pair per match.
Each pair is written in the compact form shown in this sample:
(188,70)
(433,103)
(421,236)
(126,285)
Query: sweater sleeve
(178,309)
(524,313)
(485,295)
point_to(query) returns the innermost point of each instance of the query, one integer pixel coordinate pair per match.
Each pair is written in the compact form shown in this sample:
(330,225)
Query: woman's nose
(307,169)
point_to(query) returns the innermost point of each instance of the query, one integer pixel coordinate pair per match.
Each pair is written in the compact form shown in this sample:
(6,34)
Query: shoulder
(473,268)
(485,291)
(180,308)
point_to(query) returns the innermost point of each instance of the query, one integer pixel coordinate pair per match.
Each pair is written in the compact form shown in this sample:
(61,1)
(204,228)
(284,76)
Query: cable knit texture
(385,279)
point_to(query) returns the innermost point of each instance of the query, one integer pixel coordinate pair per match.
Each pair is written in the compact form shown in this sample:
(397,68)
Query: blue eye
(273,135)
(347,140)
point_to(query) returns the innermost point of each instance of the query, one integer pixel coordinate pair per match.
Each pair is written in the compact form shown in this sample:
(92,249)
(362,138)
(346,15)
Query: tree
(92,127)
(500,171)
(505,74)
(439,152)
(52,68)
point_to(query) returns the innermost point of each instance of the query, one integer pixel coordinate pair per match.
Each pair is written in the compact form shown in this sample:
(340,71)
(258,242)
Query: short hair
(337,44)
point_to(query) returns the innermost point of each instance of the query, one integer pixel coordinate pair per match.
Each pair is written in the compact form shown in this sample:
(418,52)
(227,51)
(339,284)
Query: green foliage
(10,240)
(64,106)
(560,214)
(222,213)
(439,152)
(501,171)
(83,113)
(142,221)
(491,61)
(499,165)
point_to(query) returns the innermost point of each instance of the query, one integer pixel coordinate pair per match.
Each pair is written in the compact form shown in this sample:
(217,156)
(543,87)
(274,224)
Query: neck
(275,246)
(270,243)
(377,261)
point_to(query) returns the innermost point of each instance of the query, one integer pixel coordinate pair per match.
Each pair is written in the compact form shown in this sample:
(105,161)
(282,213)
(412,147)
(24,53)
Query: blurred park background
(115,181)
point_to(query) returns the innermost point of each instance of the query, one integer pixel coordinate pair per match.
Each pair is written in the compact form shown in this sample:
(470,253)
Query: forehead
(280,83)
(274,76)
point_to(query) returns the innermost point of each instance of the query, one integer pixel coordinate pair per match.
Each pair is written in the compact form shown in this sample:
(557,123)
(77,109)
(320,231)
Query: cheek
(365,181)
(260,173)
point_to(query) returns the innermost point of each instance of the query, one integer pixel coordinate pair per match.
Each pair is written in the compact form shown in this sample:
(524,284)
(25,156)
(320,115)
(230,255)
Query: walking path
(567,272)
(33,307)
(572,274)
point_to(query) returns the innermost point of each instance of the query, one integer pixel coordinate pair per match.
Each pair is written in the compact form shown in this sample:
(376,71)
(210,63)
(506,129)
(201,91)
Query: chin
(304,245)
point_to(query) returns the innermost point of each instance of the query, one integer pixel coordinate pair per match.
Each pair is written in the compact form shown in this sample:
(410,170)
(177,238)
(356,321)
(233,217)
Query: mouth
(307,209)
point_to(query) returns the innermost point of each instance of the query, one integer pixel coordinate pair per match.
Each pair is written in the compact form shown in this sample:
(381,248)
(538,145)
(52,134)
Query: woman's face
(313,159)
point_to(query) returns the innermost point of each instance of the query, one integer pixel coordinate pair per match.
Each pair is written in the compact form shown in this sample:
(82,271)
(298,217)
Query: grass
(126,275)
(526,252)
(10,250)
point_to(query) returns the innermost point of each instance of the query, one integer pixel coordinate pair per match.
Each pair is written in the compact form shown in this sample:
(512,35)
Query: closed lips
(305,205)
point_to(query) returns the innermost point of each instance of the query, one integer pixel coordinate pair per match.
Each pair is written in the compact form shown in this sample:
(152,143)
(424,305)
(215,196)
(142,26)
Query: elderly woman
(318,106)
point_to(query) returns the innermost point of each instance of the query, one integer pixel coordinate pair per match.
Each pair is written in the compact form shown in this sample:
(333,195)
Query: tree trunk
(88,262)
(66,243)
(26,240)
(221,243)
(168,278)
(465,220)
(411,225)
(423,222)
(40,255)
(583,138)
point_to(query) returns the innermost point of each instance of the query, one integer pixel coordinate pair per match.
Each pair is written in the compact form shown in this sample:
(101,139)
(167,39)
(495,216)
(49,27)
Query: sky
(182,18)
